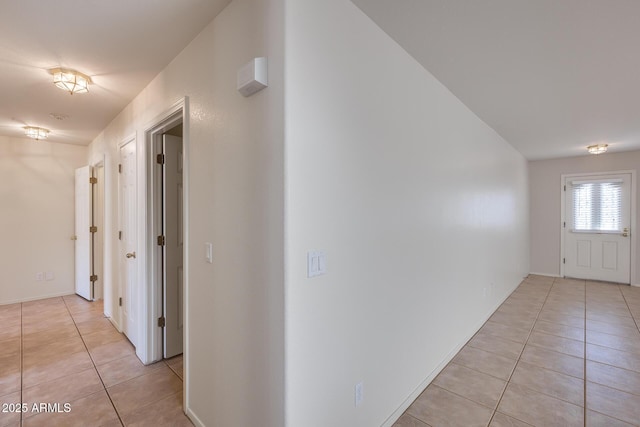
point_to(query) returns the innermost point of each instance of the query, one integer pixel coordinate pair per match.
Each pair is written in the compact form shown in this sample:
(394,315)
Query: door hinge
(93,229)
(119,235)
(564,260)
(564,225)
(161,322)
(161,240)
(93,180)
(565,188)
(93,278)
(160,159)
(120,168)
(120,302)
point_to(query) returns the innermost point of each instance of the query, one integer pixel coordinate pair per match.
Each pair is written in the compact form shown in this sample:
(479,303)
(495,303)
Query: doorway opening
(166,142)
(597,213)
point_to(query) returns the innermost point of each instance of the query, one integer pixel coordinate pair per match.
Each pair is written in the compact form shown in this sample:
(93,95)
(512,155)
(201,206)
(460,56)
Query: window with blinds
(597,205)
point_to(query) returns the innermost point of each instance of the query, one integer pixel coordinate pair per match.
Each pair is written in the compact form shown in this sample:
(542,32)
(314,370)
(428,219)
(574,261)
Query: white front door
(597,227)
(128,240)
(173,250)
(83,237)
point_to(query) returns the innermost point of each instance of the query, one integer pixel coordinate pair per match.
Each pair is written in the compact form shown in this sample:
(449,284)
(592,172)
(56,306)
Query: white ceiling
(551,77)
(120,44)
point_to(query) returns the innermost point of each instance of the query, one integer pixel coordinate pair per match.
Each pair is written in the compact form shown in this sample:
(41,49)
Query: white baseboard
(545,274)
(60,294)
(423,385)
(194,418)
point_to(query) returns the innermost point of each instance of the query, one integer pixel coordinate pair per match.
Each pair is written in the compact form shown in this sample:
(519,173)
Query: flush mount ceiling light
(70,80)
(597,148)
(36,132)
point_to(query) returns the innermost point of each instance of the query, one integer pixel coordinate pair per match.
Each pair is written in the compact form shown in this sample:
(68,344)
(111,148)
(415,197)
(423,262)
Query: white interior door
(128,240)
(173,250)
(83,242)
(597,227)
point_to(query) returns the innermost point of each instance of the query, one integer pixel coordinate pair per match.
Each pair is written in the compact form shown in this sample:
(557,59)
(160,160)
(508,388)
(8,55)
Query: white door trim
(563,178)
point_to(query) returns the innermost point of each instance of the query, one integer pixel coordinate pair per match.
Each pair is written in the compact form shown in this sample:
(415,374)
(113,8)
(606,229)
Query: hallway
(63,351)
(550,344)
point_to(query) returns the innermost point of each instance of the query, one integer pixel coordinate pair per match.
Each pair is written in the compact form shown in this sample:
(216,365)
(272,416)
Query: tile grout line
(521,351)
(629,308)
(584,360)
(93,362)
(21,363)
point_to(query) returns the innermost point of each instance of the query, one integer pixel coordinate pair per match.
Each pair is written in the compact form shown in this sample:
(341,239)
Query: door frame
(151,308)
(633,223)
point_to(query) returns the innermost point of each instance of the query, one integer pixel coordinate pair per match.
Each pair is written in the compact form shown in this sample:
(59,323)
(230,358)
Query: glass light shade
(36,132)
(597,148)
(71,81)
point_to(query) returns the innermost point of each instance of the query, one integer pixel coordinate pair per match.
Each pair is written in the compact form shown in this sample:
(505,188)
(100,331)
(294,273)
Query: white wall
(235,306)
(417,203)
(37,217)
(545,190)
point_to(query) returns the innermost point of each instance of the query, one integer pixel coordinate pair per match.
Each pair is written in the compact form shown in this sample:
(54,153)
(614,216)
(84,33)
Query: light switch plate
(316,263)
(208,252)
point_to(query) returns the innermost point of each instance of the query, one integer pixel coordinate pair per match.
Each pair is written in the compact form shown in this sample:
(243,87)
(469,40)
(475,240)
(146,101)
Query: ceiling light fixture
(70,80)
(36,132)
(597,148)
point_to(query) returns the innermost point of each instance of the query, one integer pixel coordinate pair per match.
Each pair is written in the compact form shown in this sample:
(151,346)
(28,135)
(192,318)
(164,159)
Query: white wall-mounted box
(252,77)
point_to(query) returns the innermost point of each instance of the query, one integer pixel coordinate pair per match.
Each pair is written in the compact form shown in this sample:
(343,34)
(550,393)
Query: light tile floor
(64,351)
(558,352)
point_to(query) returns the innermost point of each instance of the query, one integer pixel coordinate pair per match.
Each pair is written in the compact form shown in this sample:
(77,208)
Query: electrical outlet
(39,276)
(359,396)
(48,275)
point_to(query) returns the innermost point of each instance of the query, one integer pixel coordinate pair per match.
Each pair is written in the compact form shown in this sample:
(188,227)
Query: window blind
(597,205)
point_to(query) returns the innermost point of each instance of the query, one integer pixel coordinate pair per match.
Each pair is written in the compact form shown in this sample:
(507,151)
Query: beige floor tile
(60,366)
(608,328)
(610,356)
(595,419)
(46,324)
(497,345)
(11,329)
(536,408)
(552,360)
(613,341)
(100,324)
(554,384)
(513,320)
(124,369)
(43,354)
(504,331)
(93,410)
(36,340)
(611,376)
(560,330)
(64,390)
(163,413)
(407,420)
(178,368)
(111,351)
(613,403)
(502,420)
(138,392)
(438,407)
(483,361)
(564,319)
(106,336)
(10,376)
(556,343)
(12,415)
(473,385)
(608,318)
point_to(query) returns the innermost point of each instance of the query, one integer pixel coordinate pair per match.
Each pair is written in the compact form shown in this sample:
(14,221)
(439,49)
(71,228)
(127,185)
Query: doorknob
(625,232)
(131,255)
